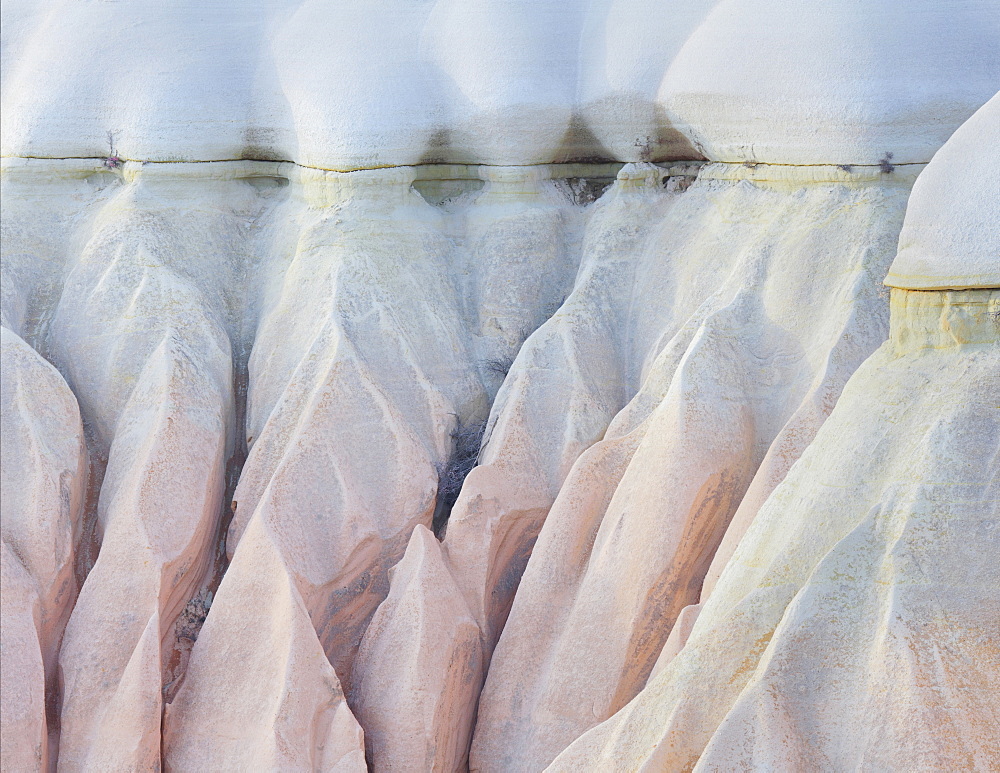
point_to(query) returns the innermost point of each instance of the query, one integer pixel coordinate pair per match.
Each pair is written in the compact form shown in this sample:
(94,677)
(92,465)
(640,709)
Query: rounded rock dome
(818,82)
(951,235)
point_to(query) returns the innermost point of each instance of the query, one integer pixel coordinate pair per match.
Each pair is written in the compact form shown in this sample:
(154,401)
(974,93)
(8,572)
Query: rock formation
(481,385)
(43,485)
(733,387)
(418,659)
(856,624)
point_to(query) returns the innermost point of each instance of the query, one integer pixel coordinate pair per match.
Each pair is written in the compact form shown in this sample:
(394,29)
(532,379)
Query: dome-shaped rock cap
(145,80)
(508,70)
(364,83)
(821,82)
(951,234)
(626,47)
(335,85)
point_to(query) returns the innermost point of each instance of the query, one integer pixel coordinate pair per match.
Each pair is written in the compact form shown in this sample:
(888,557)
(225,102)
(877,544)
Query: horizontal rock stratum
(393,82)
(467,385)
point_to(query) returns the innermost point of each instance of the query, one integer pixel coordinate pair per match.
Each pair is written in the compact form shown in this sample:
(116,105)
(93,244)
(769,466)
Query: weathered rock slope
(494,386)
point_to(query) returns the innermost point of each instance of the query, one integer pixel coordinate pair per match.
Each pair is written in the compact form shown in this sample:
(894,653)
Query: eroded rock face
(147,353)
(419,657)
(283,707)
(743,379)
(23,728)
(44,468)
(43,480)
(354,438)
(377,394)
(833,599)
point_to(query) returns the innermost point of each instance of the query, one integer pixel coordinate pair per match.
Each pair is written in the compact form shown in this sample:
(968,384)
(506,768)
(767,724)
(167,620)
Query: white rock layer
(951,237)
(867,82)
(361,84)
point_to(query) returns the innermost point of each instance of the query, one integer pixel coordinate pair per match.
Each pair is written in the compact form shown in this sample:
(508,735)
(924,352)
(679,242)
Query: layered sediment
(500,386)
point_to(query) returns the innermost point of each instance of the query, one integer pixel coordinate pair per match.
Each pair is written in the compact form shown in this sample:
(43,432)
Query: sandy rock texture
(495,385)
(868,572)
(564,386)
(416,665)
(732,392)
(147,353)
(834,600)
(24,724)
(356,379)
(43,480)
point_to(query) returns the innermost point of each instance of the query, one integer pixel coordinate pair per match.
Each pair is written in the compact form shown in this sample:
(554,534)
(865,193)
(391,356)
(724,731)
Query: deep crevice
(467,442)
(193,615)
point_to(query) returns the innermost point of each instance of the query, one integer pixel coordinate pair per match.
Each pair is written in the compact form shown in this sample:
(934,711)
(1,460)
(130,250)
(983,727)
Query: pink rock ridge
(417,662)
(856,624)
(43,481)
(357,379)
(145,348)
(731,393)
